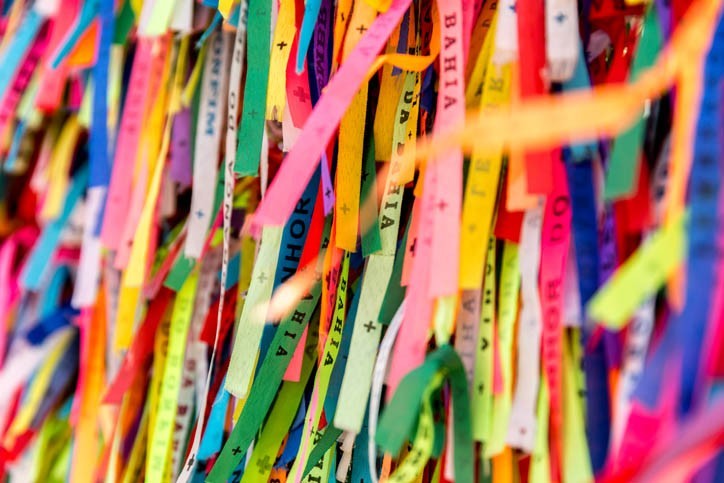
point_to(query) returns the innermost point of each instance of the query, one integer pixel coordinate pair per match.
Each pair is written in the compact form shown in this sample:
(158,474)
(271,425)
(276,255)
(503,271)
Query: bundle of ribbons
(361,240)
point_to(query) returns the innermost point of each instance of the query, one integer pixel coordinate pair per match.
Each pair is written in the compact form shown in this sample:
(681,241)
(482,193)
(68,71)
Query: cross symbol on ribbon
(264,464)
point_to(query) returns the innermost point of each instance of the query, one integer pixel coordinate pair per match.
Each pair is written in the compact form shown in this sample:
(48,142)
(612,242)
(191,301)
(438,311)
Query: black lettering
(294,252)
(298,317)
(297,228)
(301,207)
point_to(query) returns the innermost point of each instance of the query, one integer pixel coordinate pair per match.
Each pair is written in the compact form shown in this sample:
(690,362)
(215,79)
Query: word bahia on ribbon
(367,241)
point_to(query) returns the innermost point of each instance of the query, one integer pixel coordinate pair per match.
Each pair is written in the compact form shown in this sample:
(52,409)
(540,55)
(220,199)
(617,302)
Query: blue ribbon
(98,138)
(585,237)
(685,333)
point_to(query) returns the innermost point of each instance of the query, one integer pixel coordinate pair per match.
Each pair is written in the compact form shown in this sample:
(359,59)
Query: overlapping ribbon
(406,240)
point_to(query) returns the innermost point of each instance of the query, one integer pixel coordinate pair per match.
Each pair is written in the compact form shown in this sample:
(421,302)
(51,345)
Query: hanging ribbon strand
(383,240)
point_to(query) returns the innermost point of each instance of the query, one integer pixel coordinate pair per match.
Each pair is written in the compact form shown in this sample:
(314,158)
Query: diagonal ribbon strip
(302,160)
(265,387)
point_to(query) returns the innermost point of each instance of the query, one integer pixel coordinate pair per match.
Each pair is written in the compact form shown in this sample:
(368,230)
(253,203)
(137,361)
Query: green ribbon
(395,292)
(329,437)
(251,127)
(265,387)
(398,420)
(623,167)
(371,238)
(281,418)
